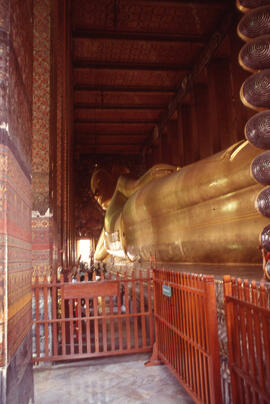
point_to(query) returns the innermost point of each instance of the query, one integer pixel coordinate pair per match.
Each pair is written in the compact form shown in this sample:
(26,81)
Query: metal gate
(186,332)
(91,318)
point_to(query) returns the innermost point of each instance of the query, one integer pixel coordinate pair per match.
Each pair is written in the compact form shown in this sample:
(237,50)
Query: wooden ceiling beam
(110,153)
(137,36)
(96,64)
(133,122)
(185,3)
(188,82)
(103,153)
(130,137)
(149,107)
(118,135)
(126,89)
(114,144)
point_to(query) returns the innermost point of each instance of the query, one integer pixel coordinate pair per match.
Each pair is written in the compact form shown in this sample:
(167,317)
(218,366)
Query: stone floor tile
(117,380)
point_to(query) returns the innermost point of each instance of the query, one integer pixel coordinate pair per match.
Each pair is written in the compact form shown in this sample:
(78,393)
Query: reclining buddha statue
(211,211)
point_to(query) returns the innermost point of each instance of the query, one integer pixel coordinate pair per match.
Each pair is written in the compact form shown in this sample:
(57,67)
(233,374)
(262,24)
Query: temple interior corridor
(141,130)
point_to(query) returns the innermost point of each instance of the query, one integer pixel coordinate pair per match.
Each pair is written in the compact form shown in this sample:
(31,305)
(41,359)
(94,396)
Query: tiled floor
(117,380)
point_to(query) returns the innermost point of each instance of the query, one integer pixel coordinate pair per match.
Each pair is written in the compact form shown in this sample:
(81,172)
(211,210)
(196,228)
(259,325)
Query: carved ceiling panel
(111,139)
(123,149)
(106,98)
(116,115)
(139,51)
(112,128)
(146,16)
(107,77)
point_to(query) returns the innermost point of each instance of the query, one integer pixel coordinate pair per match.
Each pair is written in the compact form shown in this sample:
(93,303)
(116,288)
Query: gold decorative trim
(242,8)
(245,67)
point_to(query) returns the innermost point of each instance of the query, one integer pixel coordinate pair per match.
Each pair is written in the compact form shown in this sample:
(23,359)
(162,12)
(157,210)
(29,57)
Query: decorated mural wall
(52,214)
(41,215)
(16,43)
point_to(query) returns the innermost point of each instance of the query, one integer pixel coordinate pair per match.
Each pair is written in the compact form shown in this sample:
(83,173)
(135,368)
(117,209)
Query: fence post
(37,328)
(63,316)
(214,362)
(229,314)
(154,360)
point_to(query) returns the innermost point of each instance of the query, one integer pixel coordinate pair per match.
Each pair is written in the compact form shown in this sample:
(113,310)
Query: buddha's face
(102,186)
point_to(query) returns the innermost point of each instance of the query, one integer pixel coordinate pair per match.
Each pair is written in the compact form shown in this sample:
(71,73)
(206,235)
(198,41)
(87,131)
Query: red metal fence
(115,316)
(91,319)
(248,328)
(186,332)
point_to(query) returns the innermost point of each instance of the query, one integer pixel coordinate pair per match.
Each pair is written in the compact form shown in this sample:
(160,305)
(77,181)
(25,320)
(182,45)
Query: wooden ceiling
(129,57)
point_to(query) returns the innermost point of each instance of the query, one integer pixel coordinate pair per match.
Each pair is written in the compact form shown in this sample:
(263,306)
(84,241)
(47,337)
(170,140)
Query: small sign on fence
(167,290)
